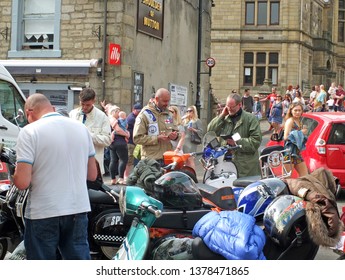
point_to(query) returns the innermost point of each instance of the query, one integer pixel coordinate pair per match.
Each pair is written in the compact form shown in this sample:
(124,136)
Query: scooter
(12,203)
(217,160)
(174,161)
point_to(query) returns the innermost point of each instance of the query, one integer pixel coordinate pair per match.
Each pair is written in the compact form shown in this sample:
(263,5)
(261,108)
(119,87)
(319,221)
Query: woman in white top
(178,144)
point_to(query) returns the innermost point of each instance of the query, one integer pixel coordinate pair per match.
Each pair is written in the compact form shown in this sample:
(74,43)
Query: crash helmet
(176,189)
(285,219)
(254,199)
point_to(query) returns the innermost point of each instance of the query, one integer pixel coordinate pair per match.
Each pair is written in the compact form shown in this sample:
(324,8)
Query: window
(35,28)
(250,13)
(341,21)
(11,101)
(337,135)
(310,123)
(260,12)
(259,66)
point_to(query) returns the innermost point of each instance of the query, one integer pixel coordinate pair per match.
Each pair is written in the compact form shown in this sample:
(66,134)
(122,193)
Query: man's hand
(173,135)
(225,112)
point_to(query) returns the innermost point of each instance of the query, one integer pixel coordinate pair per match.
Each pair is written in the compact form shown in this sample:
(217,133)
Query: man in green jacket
(233,119)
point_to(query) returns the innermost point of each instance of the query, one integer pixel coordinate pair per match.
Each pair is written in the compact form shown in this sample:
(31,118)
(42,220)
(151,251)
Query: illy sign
(114,54)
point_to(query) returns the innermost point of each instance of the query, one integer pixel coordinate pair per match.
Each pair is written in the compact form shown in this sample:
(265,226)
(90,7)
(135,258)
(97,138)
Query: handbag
(194,138)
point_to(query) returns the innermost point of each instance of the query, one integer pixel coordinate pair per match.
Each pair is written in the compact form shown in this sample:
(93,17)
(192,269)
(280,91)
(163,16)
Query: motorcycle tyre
(3,248)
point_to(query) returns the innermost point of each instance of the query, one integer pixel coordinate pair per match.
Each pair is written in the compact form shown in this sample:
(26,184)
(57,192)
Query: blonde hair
(194,117)
(177,116)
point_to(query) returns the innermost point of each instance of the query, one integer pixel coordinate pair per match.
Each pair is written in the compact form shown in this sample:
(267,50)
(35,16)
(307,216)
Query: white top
(58,149)
(98,124)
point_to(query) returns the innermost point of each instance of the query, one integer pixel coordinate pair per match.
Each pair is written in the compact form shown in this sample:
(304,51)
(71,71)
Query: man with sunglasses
(233,119)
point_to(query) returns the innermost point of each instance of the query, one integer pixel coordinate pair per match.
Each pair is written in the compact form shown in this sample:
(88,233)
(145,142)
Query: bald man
(55,157)
(154,127)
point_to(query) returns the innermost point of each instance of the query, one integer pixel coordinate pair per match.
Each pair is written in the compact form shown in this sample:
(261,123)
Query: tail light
(320,146)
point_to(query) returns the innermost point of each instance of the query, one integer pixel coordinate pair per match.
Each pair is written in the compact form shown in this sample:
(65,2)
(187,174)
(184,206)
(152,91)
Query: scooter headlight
(122,201)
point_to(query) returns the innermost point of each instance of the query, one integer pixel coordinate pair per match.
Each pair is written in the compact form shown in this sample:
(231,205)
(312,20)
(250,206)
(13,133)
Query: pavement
(264,125)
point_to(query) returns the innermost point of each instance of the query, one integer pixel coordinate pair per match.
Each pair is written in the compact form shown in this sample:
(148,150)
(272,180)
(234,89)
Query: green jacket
(247,157)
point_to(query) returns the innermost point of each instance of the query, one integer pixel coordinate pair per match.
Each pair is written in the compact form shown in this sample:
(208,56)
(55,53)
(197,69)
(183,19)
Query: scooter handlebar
(154,211)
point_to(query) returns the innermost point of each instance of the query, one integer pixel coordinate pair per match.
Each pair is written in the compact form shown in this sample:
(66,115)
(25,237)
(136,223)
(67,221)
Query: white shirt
(58,149)
(98,124)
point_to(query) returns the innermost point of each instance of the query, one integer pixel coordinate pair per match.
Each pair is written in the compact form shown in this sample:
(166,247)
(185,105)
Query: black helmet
(254,199)
(177,190)
(285,218)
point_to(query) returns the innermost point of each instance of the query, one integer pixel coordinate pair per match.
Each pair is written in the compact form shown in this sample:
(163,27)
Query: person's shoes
(121,182)
(113,182)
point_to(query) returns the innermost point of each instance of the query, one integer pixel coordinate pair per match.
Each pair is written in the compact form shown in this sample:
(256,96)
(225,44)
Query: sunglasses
(189,111)
(172,111)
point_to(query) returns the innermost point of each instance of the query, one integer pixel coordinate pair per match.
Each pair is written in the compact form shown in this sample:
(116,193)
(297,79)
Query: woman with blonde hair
(177,144)
(193,129)
(295,138)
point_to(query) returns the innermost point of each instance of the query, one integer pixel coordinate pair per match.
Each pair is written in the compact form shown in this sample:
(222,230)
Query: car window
(11,103)
(337,135)
(310,123)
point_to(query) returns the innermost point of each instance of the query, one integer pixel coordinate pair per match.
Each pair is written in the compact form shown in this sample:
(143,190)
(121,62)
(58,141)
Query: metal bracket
(97,32)
(4,33)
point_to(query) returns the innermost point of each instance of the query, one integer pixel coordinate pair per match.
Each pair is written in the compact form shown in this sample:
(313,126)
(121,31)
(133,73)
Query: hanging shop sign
(150,17)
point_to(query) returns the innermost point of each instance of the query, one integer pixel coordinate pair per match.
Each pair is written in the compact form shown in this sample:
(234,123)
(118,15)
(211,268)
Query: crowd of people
(51,146)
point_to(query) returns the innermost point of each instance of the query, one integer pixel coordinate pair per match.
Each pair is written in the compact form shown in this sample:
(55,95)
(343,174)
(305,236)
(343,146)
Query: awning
(49,67)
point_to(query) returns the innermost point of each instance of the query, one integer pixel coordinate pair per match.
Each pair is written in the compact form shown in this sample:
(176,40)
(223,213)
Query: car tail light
(321,146)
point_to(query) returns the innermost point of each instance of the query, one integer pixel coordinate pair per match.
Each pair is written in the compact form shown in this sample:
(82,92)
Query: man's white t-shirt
(58,149)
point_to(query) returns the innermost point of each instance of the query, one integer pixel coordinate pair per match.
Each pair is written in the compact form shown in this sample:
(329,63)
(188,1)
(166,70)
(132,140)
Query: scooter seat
(245,181)
(200,251)
(99,197)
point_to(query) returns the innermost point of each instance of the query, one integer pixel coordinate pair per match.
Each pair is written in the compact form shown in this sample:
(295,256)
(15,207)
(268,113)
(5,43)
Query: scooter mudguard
(136,243)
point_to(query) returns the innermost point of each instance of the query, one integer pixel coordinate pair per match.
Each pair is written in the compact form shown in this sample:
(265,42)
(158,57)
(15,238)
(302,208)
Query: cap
(137,106)
(257,96)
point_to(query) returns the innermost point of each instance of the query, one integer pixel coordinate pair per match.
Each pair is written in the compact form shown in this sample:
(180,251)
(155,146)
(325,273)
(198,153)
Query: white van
(12,102)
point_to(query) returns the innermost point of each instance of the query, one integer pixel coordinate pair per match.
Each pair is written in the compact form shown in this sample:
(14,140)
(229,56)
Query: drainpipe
(197,100)
(104,47)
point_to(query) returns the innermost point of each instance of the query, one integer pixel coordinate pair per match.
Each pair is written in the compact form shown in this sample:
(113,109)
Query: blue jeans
(45,239)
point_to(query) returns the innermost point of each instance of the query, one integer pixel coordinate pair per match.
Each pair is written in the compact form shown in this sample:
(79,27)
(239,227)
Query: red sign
(114,54)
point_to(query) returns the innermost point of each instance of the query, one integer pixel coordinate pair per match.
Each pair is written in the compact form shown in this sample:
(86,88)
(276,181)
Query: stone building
(259,44)
(124,49)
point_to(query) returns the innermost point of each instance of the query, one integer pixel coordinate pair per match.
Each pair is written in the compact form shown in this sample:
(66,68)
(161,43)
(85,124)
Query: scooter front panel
(136,243)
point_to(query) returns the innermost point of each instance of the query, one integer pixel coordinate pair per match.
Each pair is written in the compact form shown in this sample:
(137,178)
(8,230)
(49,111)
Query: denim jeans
(67,236)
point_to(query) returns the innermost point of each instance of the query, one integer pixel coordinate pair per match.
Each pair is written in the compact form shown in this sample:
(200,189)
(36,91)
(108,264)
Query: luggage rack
(274,161)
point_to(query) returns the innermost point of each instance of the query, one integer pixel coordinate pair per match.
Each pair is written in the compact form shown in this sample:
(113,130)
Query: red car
(325,146)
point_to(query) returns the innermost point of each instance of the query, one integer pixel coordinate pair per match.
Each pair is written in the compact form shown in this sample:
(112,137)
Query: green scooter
(146,209)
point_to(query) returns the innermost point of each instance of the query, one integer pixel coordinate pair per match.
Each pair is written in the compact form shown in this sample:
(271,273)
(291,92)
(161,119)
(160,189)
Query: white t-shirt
(58,149)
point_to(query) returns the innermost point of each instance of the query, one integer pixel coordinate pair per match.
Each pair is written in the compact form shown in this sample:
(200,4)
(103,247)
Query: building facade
(124,49)
(259,44)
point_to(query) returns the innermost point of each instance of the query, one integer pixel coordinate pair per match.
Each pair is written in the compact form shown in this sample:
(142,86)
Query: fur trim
(317,228)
